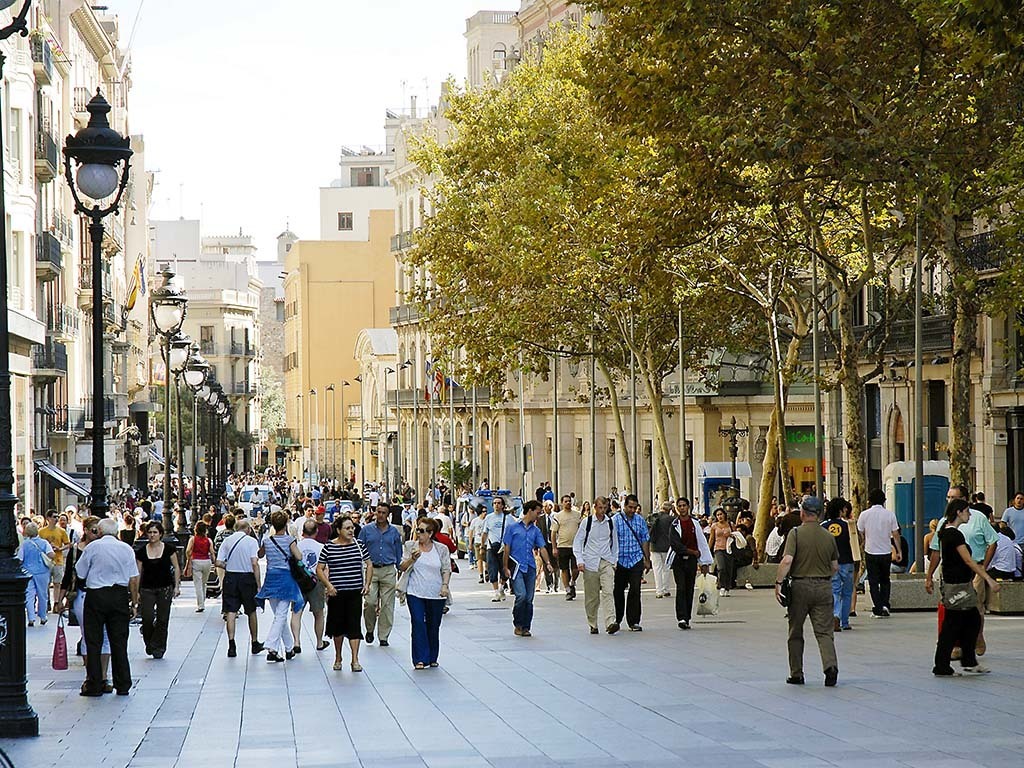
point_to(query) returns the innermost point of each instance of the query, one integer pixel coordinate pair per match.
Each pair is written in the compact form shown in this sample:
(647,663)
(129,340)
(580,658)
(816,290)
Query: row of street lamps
(317,463)
(100,158)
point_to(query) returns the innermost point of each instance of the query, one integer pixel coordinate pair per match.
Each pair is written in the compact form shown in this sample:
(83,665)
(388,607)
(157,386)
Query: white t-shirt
(374,498)
(239,548)
(310,549)
(425,578)
(877,524)
(476,529)
(446,522)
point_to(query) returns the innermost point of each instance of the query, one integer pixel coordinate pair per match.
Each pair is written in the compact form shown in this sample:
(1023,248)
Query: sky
(245,104)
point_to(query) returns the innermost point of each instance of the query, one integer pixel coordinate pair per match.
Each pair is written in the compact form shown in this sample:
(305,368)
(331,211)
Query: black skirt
(345,614)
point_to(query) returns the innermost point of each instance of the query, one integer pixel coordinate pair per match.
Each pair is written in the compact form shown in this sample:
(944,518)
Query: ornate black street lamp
(195,378)
(17,718)
(101,156)
(167,307)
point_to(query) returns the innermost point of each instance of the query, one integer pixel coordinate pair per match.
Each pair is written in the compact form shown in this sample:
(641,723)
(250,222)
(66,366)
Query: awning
(154,455)
(61,478)
(723,469)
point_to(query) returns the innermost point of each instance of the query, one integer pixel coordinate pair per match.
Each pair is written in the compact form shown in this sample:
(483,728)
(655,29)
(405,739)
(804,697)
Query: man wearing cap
(811,558)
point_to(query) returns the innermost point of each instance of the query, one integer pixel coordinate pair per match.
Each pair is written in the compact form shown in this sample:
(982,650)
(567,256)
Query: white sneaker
(977,669)
(748,585)
(727,593)
(722,592)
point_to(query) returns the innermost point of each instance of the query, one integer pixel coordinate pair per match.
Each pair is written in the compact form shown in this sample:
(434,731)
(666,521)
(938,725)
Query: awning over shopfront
(61,478)
(724,469)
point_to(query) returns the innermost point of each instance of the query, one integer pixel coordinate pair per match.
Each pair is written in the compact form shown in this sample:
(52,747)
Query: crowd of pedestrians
(346,558)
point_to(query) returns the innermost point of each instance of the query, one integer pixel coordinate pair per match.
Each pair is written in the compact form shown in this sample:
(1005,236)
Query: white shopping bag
(707,594)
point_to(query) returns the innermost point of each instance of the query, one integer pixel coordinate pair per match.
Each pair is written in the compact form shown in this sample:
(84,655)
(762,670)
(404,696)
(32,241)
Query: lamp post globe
(168,305)
(196,371)
(181,348)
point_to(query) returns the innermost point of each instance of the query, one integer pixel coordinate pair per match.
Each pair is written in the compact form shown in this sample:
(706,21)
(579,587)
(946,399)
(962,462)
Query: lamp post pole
(387,484)
(344,438)
(329,422)
(733,433)
(17,718)
(315,450)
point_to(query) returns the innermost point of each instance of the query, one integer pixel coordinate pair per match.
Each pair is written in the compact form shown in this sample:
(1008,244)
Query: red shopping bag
(942,615)
(60,647)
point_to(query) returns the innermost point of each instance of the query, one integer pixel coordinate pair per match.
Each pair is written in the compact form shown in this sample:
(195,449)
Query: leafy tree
(544,238)
(271,402)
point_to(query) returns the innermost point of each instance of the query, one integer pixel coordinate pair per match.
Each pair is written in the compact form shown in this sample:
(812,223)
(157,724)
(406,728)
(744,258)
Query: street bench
(761,577)
(1009,600)
(908,594)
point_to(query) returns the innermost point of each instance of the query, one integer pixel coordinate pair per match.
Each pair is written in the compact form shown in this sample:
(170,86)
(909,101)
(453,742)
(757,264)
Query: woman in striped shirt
(345,570)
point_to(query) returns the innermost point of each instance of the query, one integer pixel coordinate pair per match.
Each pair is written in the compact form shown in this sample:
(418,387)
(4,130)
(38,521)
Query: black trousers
(879,580)
(628,578)
(550,579)
(958,628)
(155,611)
(107,607)
(684,571)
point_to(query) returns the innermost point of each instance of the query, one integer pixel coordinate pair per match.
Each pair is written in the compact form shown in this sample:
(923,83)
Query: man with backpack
(596,548)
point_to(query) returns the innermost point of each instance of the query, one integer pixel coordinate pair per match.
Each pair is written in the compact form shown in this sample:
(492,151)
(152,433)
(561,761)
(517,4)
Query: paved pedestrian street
(713,696)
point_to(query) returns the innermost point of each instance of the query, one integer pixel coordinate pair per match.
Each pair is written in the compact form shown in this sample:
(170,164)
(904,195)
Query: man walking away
(239,556)
(634,561)
(315,598)
(596,550)
(384,543)
(842,582)
(476,538)
(522,539)
(688,549)
(812,558)
(112,594)
(878,530)
(661,529)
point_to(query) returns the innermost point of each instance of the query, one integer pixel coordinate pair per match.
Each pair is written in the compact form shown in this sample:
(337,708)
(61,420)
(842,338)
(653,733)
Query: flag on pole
(427,380)
(134,287)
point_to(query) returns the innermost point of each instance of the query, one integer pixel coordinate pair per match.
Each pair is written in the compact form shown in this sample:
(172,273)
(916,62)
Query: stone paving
(713,696)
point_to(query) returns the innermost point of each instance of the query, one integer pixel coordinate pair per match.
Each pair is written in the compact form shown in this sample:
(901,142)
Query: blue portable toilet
(898,484)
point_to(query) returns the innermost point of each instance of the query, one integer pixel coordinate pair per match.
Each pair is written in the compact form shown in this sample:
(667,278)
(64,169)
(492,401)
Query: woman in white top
(429,569)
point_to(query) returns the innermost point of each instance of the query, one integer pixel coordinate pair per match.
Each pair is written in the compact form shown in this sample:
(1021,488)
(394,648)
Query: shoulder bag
(47,560)
(786,587)
(958,597)
(298,570)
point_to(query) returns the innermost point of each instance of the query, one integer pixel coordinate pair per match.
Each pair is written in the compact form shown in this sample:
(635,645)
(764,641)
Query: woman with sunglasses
(159,584)
(345,570)
(429,569)
(72,596)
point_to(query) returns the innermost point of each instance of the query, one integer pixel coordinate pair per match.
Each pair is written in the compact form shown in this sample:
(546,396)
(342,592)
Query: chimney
(412,106)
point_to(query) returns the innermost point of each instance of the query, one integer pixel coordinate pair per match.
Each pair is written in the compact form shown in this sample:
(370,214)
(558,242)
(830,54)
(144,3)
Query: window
(287,247)
(344,221)
(15,135)
(366,177)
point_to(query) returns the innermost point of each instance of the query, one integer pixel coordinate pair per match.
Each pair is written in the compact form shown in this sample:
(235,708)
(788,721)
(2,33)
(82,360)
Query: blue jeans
(425,616)
(523,586)
(842,593)
(37,593)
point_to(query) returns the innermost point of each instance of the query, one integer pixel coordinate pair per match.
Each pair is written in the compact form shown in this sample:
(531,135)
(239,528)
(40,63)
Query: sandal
(419,666)
(322,645)
(337,666)
(357,667)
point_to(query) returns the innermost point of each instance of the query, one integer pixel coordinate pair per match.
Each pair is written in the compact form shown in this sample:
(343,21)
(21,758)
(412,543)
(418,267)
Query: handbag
(707,595)
(47,560)
(959,597)
(298,570)
(60,647)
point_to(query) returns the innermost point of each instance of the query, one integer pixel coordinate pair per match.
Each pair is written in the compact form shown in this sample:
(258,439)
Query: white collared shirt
(601,544)
(237,552)
(107,562)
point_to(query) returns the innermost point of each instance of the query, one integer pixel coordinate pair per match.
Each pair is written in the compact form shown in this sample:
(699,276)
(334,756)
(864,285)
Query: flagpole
(430,441)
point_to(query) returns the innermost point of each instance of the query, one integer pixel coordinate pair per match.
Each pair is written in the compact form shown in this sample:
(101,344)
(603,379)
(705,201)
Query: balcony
(81,99)
(401,241)
(242,349)
(937,336)
(113,234)
(48,257)
(85,284)
(49,361)
(113,317)
(405,314)
(42,60)
(69,420)
(64,322)
(63,228)
(115,408)
(243,388)
(47,154)
(987,252)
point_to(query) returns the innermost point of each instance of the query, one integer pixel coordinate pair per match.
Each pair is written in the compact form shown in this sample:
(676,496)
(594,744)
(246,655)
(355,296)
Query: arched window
(498,58)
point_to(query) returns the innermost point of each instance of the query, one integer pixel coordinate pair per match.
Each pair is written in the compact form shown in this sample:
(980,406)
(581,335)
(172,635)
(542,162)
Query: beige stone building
(334,287)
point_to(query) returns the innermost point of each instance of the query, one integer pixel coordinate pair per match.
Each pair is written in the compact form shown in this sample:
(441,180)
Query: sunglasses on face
(422,530)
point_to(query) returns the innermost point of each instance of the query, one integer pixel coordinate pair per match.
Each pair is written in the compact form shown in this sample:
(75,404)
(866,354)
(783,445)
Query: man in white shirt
(596,547)
(879,533)
(316,599)
(374,497)
(476,547)
(112,595)
(447,526)
(239,556)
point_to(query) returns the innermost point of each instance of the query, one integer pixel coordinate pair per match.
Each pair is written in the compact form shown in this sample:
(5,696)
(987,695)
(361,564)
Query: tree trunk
(621,450)
(763,523)
(853,404)
(652,382)
(965,323)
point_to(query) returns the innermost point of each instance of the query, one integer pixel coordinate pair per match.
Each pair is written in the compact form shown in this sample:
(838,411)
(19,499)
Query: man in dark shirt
(661,528)
(842,580)
(789,521)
